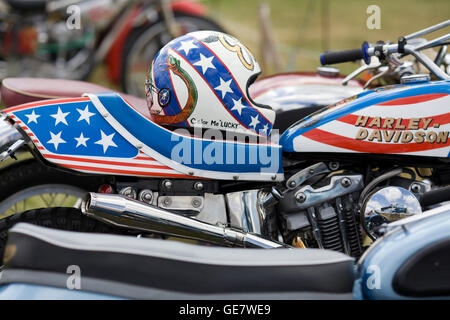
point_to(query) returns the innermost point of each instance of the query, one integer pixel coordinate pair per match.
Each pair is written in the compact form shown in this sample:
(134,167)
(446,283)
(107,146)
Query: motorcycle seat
(130,267)
(15,91)
(27,5)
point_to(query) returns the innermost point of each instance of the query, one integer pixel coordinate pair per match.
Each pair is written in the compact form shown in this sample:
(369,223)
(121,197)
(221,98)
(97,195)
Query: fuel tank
(394,121)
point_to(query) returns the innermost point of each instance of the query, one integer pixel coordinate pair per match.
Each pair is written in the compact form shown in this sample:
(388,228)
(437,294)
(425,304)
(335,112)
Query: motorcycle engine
(324,217)
(330,208)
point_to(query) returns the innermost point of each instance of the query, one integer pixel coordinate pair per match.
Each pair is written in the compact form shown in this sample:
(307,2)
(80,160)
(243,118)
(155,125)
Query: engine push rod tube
(132,214)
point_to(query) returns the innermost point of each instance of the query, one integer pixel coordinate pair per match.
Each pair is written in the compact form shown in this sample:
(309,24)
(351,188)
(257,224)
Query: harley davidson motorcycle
(67,38)
(410,261)
(291,95)
(366,161)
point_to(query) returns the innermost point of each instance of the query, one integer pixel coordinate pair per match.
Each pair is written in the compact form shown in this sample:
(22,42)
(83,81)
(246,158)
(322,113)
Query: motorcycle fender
(405,248)
(60,133)
(188,7)
(104,134)
(114,56)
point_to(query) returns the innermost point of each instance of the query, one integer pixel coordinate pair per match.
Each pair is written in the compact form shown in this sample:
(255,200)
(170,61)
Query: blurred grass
(299,32)
(297,24)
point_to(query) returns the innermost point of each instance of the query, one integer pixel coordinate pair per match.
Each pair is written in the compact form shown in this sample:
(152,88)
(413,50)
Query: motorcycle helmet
(201,80)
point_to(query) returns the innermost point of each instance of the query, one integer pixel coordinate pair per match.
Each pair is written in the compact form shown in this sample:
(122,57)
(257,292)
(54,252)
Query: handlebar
(331,57)
(384,50)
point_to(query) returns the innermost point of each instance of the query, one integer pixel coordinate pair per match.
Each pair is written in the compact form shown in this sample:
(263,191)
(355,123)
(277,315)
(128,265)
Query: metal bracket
(339,186)
(184,203)
(11,150)
(305,174)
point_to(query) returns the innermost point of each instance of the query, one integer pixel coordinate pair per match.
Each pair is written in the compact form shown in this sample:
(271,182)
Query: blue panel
(220,156)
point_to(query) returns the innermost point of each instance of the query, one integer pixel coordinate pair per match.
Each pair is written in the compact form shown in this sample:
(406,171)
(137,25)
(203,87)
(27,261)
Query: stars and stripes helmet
(201,79)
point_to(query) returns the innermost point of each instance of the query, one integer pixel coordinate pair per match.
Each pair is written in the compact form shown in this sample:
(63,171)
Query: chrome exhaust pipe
(132,214)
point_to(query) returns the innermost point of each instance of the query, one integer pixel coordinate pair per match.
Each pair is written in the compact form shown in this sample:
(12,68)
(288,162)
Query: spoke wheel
(41,196)
(145,42)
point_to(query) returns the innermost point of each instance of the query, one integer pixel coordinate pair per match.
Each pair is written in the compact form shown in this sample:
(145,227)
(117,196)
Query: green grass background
(297,24)
(298,27)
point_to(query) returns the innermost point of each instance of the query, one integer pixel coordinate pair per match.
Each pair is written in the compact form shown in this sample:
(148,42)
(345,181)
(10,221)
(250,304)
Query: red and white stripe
(339,135)
(141,165)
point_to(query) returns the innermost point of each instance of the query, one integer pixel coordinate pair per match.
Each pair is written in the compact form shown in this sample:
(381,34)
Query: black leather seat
(27,5)
(163,269)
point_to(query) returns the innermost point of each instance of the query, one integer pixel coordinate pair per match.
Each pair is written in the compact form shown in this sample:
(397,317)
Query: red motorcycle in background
(67,38)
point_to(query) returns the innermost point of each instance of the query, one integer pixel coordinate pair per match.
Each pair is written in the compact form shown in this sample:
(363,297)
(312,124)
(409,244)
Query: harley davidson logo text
(398,130)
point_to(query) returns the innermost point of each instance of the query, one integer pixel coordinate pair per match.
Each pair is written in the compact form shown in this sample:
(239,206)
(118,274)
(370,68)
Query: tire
(70,219)
(30,176)
(153,37)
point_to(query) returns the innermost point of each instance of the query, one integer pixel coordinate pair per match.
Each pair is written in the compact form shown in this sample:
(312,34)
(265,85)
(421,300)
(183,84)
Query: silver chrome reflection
(129,213)
(388,205)
(246,210)
(8,133)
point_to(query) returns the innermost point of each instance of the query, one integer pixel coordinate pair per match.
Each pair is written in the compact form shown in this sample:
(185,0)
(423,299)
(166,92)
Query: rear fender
(52,126)
(114,56)
(103,134)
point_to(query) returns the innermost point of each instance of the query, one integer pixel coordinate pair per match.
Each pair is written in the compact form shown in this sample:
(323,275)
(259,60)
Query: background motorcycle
(318,205)
(410,261)
(43,38)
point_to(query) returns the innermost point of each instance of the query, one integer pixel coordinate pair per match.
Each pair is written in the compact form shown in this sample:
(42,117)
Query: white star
(85,114)
(106,141)
(264,129)
(205,63)
(56,139)
(81,141)
(32,117)
(224,87)
(238,106)
(60,117)
(187,45)
(254,122)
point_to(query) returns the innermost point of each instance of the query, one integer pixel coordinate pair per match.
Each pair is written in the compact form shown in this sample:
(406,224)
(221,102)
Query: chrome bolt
(346,182)
(333,165)
(128,192)
(196,202)
(146,195)
(415,187)
(300,197)
(198,186)
(311,171)
(292,184)
(167,202)
(167,184)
